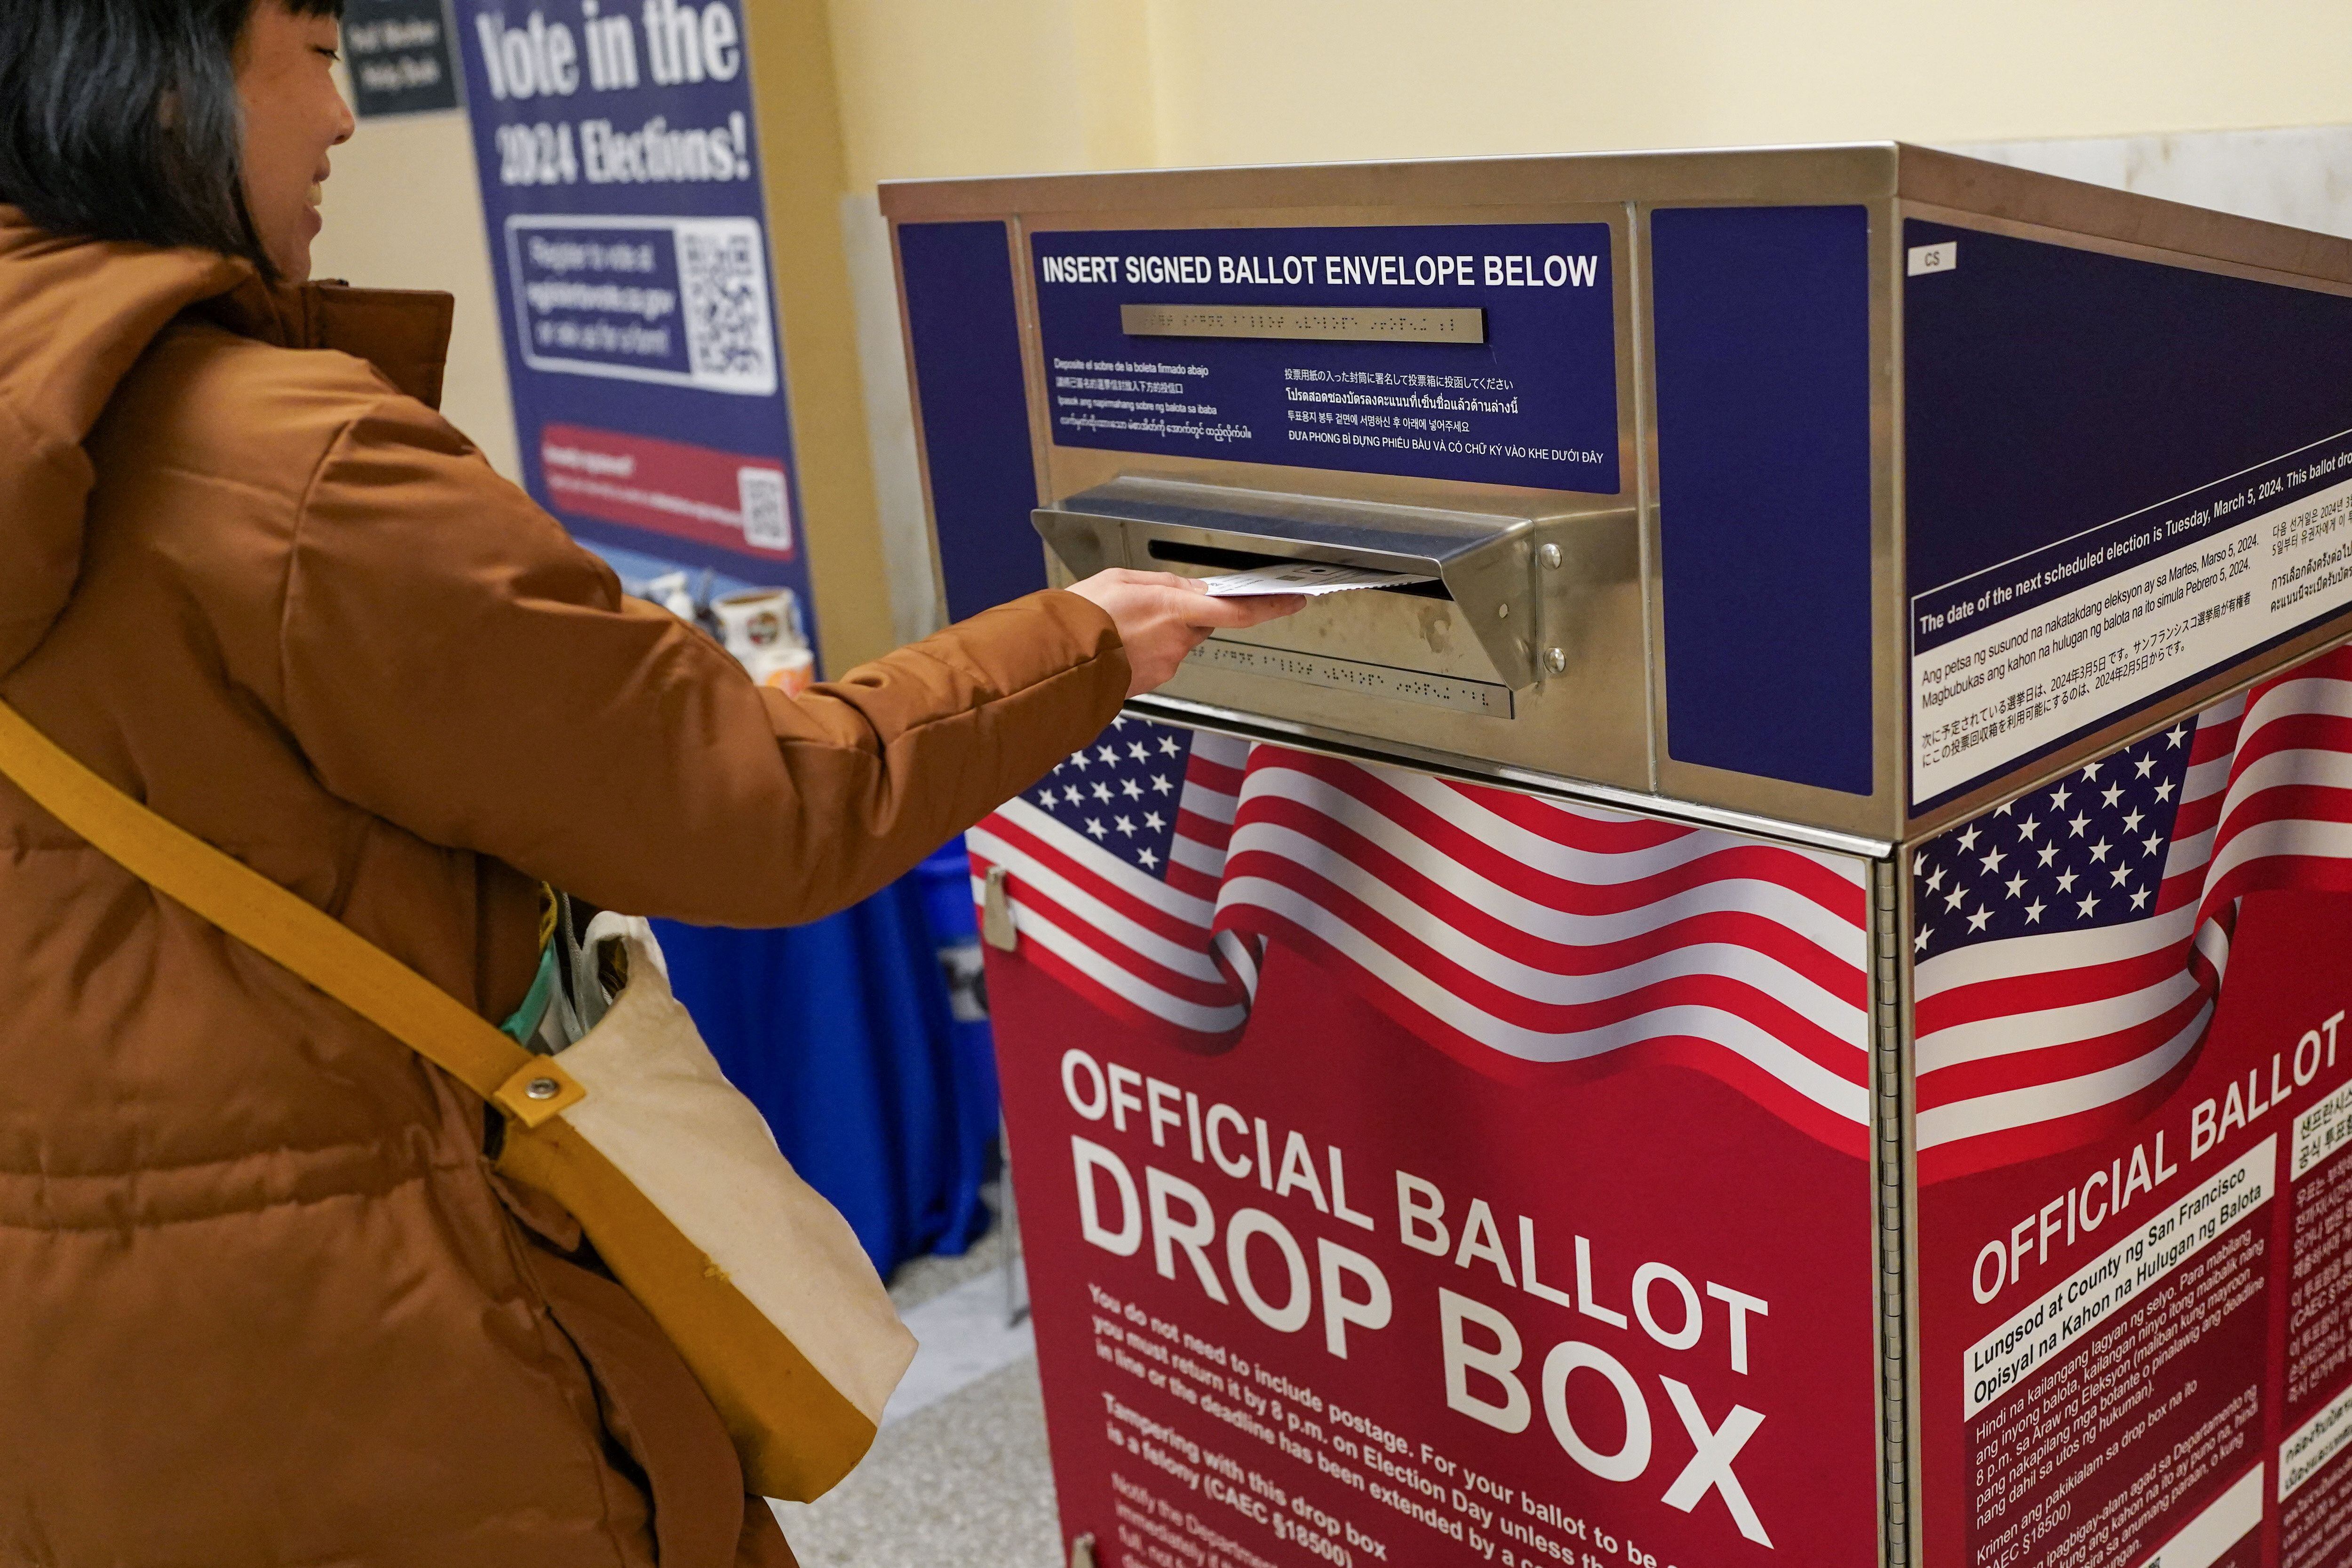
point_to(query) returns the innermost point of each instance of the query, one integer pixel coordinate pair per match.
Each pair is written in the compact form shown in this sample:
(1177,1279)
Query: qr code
(767,515)
(722,272)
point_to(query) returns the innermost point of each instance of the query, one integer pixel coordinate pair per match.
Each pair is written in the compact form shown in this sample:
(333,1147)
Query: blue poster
(2122,477)
(1532,399)
(628,238)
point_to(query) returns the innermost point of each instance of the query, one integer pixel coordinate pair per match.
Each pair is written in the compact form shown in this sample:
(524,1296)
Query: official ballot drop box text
(1782,1006)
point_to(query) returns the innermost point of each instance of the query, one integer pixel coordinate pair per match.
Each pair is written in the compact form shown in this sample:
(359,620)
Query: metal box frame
(1612,741)
(1099,506)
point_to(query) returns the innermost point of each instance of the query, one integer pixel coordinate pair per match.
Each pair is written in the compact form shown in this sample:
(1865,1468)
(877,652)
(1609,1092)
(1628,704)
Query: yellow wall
(965,87)
(403,212)
(959,87)
(801,165)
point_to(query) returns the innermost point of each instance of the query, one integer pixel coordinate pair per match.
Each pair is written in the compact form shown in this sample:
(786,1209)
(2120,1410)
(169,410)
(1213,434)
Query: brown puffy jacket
(264,1301)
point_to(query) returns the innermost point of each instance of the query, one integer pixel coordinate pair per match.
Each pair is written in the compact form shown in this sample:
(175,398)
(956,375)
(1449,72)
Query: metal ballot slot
(1485,565)
(1530,621)
(1517,600)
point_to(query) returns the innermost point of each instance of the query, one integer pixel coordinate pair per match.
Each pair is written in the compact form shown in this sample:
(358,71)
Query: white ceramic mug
(762,627)
(758,619)
(673,592)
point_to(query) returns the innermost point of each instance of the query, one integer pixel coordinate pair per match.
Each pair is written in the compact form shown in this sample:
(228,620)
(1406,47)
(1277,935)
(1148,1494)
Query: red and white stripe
(2038,1043)
(1518,934)
(2287,819)
(1142,948)
(1524,935)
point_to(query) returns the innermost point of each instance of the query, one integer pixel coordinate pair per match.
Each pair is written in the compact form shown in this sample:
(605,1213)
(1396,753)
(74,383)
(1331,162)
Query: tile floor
(958,1475)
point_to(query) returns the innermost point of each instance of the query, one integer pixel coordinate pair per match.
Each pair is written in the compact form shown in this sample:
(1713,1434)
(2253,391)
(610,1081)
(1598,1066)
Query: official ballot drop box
(1783,1005)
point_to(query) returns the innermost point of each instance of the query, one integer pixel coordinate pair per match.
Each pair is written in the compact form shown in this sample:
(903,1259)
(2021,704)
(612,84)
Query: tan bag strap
(282,926)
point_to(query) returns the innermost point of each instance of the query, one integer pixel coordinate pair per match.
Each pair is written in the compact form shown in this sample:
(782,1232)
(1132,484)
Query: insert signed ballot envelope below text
(1311,578)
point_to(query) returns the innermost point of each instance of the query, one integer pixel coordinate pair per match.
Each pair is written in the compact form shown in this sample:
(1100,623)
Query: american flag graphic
(1114,862)
(1519,935)
(2068,947)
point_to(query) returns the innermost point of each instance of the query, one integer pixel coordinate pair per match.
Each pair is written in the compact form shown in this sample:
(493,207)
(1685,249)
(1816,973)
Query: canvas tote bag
(671,1172)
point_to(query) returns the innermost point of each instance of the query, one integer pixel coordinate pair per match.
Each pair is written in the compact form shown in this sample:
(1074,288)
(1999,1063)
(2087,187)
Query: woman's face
(292,115)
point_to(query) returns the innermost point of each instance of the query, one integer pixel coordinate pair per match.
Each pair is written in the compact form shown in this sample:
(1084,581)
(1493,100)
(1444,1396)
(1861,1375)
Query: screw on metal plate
(1549,554)
(1502,611)
(996,927)
(1082,1553)
(543,1088)
(1555,659)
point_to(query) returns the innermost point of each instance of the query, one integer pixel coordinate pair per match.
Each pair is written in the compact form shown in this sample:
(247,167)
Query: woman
(264,1302)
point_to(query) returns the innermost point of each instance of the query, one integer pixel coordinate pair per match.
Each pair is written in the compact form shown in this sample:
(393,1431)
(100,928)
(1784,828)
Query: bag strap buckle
(538,1091)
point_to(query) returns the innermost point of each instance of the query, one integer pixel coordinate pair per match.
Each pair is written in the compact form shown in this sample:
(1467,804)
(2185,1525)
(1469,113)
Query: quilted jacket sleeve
(455,664)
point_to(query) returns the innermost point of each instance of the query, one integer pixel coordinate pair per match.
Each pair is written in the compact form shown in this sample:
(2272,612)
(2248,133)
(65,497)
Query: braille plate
(1347,324)
(1348,675)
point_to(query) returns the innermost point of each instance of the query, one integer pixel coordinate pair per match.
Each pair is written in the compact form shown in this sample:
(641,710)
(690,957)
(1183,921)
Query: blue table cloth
(841,1032)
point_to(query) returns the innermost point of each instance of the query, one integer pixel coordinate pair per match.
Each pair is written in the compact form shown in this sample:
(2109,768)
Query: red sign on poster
(671,488)
(1417,1173)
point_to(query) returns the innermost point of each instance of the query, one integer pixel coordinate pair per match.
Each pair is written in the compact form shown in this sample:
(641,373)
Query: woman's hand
(1161,617)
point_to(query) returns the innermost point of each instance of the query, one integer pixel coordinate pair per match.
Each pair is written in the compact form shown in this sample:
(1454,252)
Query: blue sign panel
(2122,477)
(628,241)
(1763,377)
(964,327)
(1534,403)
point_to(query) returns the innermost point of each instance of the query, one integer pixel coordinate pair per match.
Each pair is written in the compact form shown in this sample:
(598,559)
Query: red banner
(696,493)
(1417,1172)
(2135,1123)
(2116,1342)
(1445,1210)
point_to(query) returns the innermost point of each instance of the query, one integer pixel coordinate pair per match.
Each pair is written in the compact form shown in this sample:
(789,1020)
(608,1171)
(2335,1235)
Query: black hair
(120,119)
